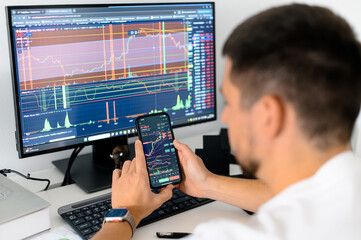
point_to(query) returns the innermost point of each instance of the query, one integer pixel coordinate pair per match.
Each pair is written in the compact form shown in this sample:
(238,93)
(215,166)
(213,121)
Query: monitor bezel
(14,74)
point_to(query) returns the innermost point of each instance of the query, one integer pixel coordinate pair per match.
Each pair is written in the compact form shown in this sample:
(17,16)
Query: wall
(228,14)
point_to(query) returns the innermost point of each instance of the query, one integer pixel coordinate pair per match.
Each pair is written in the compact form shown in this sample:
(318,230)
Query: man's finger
(140,157)
(166,193)
(133,166)
(116,175)
(181,147)
(126,166)
(183,150)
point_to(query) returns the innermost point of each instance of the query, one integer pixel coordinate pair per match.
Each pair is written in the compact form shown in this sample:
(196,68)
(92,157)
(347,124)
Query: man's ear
(270,111)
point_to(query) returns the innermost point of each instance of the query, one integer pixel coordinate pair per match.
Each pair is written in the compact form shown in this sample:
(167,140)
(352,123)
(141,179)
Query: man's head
(301,56)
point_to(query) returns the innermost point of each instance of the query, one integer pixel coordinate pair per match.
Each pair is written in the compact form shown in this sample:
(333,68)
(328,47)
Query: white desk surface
(183,222)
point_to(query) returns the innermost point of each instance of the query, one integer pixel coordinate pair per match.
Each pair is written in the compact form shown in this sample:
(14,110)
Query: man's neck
(297,165)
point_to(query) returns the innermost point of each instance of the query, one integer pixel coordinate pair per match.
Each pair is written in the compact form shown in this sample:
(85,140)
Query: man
(292,88)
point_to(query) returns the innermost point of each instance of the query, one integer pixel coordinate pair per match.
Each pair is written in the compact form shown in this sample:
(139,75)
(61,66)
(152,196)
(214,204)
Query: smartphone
(161,157)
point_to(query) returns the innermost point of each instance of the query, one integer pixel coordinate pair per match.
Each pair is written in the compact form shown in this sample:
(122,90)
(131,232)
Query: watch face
(117,212)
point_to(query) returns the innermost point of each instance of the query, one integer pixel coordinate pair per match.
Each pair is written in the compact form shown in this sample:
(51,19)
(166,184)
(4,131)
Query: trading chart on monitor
(86,73)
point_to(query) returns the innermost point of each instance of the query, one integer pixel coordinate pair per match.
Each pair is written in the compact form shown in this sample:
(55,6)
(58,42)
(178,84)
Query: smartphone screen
(161,157)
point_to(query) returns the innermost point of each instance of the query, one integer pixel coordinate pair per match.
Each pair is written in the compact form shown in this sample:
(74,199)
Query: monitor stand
(93,171)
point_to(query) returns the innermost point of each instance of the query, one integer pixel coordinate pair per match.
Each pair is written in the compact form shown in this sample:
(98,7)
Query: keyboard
(86,217)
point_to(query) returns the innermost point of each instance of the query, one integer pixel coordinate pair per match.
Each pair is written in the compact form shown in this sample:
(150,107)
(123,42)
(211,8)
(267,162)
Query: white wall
(228,14)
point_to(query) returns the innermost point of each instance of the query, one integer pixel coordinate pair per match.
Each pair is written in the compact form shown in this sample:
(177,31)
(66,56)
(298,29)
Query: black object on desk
(172,235)
(216,153)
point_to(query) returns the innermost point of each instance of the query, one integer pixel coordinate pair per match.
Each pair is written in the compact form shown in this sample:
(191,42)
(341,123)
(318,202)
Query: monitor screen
(83,73)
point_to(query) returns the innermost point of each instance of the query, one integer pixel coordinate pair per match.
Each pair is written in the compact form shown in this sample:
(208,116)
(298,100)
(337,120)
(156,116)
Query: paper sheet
(60,233)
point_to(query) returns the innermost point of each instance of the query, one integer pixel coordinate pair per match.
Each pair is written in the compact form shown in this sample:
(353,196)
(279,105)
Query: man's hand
(131,187)
(195,174)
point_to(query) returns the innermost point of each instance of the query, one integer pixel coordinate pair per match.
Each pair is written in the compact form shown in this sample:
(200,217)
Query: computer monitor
(83,73)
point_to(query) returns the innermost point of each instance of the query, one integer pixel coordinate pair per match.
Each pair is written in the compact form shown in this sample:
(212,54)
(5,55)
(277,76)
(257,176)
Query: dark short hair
(306,55)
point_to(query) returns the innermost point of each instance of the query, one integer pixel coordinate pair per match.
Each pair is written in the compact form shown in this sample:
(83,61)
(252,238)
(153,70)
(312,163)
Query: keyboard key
(86,231)
(69,213)
(167,210)
(78,221)
(88,212)
(201,199)
(96,210)
(182,199)
(90,236)
(175,196)
(181,194)
(72,217)
(175,208)
(192,201)
(84,225)
(80,215)
(96,228)
(160,212)
(95,222)
(103,207)
(169,203)
(88,218)
(187,204)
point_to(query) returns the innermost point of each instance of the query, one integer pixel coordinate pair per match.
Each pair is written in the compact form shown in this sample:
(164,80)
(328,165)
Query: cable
(5,171)
(67,179)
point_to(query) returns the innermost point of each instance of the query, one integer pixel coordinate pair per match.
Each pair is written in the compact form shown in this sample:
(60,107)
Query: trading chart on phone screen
(159,151)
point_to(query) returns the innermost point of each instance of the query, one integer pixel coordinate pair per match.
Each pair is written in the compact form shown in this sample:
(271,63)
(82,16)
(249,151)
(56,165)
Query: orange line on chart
(105,62)
(115,118)
(160,49)
(125,68)
(112,50)
(37,82)
(107,112)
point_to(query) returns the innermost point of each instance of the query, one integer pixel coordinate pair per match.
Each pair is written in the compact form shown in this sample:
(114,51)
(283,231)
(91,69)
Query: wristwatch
(120,215)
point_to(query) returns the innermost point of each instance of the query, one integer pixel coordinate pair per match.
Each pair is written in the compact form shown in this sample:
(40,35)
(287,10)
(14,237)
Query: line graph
(161,158)
(102,54)
(54,98)
(155,146)
(108,113)
(159,162)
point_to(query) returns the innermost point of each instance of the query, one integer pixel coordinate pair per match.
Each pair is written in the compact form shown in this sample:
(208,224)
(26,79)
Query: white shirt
(324,206)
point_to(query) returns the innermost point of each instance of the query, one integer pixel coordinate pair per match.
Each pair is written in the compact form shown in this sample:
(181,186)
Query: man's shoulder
(327,203)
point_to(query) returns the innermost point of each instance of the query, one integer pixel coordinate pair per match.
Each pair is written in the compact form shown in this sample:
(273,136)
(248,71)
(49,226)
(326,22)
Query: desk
(183,222)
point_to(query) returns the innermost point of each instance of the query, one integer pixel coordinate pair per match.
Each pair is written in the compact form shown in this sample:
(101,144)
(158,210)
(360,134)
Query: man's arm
(131,189)
(248,194)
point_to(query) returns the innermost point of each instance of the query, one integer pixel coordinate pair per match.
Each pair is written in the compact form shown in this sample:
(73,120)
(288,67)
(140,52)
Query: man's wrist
(137,216)
(117,215)
(208,185)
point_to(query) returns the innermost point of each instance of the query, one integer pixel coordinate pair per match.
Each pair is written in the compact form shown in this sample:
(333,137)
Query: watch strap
(127,217)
